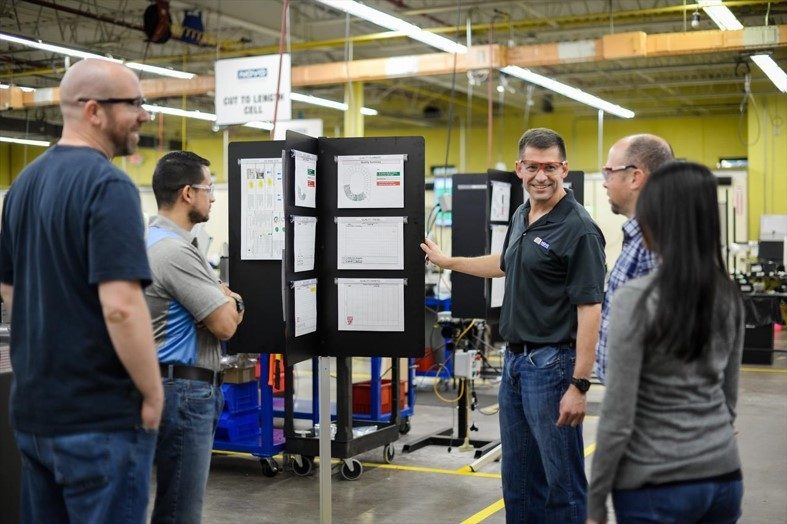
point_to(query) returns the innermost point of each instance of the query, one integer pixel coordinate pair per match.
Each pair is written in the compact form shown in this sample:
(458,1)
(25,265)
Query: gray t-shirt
(663,419)
(182,277)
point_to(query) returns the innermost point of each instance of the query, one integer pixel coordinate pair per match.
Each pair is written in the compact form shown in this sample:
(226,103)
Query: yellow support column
(353,119)
(767,152)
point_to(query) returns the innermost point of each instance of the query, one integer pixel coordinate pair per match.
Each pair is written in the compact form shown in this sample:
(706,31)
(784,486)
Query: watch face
(582,384)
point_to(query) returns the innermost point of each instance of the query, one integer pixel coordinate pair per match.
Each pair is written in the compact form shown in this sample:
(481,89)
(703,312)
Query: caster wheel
(389,452)
(351,469)
(269,466)
(404,427)
(302,466)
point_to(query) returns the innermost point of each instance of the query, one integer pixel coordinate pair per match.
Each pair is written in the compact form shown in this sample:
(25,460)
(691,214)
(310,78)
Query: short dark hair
(648,152)
(542,138)
(173,171)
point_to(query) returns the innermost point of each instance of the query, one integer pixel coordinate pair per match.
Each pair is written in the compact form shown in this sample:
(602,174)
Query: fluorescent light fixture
(174,111)
(395,24)
(772,70)
(198,115)
(259,125)
(317,101)
(324,102)
(23,88)
(720,14)
(24,141)
(568,91)
(67,51)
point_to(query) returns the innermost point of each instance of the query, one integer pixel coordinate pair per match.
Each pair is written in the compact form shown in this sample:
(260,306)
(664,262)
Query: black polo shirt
(551,266)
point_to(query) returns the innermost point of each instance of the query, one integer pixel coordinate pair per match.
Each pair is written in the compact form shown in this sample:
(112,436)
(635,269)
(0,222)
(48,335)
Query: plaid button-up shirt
(634,261)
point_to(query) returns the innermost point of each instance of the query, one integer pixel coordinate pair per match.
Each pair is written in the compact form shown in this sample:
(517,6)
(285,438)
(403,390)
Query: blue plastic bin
(240,397)
(238,426)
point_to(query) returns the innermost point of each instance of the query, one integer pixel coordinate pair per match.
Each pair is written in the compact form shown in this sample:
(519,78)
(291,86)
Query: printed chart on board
(305,179)
(371,304)
(498,284)
(370,243)
(262,209)
(370,181)
(305,306)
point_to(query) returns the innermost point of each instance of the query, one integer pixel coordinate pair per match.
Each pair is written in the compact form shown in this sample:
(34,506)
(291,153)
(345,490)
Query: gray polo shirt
(551,266)
(183,293)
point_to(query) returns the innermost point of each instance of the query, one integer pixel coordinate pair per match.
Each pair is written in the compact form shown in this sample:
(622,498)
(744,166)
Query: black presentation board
(259,282)
(471,233)
(328,340)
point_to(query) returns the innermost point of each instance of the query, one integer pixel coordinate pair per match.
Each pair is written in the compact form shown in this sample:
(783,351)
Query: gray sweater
(663,419)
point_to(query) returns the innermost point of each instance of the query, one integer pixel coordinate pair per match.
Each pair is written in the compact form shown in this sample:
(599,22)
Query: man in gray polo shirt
(553,261)
(192,312)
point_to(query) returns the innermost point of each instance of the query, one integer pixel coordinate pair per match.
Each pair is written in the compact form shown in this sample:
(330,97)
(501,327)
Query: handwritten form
(305,306)
(371,304)
(305,230)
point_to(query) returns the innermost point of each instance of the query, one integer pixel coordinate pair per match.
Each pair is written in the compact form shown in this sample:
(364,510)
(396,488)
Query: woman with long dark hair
(666,447)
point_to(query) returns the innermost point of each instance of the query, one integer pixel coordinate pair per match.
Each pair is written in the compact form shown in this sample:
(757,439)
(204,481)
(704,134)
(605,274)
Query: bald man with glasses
(87,392)
(631,160)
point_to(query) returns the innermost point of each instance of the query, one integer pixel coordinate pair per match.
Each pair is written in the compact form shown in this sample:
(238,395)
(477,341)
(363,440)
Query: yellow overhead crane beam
(636,44)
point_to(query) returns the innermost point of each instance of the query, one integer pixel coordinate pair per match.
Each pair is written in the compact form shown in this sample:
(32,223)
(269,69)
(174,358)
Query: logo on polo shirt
(542,243)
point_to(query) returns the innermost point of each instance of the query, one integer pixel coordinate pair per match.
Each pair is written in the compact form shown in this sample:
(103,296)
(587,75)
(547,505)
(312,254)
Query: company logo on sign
(247,74)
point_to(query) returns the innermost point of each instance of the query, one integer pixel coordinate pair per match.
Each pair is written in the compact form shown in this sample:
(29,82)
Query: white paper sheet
(262,209)
(305,306)
(304,235)
(370,243)
(370,181)
(501,200)
(371,304)
(498,284)
(305,179)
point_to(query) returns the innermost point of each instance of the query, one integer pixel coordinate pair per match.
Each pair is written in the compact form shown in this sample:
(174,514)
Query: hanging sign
(246,89)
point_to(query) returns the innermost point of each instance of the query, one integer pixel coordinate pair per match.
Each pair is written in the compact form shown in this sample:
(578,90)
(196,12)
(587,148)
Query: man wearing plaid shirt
(631,160)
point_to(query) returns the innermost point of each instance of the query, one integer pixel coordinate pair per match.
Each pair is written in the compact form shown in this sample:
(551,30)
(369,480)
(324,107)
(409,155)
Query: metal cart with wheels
(268,441)
(353,435)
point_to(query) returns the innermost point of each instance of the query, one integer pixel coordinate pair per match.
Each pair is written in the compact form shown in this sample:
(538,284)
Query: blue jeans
(691,503)
(191,412)
(86,477)
(543,466)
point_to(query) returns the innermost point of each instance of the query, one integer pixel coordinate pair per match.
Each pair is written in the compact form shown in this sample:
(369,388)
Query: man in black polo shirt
(553,261)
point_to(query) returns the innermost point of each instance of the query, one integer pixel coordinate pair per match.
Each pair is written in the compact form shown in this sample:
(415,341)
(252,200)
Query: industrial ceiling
(703,82)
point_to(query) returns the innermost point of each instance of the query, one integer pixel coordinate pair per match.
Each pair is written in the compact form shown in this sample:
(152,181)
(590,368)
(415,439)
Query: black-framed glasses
(607,171)
(136,102)
(208,188)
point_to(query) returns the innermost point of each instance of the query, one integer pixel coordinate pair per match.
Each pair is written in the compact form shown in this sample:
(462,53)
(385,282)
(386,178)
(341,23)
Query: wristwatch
(582,384)
(239,304)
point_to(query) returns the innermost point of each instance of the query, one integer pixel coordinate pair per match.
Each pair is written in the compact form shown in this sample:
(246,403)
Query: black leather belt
(191,373)
(521,347)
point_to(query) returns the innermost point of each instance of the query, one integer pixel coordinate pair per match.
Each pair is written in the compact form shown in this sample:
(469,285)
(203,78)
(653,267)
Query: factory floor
(434,484)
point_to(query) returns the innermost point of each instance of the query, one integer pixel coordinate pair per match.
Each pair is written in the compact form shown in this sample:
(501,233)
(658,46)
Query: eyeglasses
(137,102)
(532,167)
(606,172)
(209,188)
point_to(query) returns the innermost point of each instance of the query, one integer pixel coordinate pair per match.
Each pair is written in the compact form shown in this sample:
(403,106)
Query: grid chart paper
(371,304)
(370,243)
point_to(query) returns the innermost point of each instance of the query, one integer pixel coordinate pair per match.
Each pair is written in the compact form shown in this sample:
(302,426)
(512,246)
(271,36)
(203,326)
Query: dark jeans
(86,477)
(542,464)
(191,412)
(691,503)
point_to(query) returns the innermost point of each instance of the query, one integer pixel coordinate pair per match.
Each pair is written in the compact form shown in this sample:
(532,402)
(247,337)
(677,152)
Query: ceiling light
(24,141)
(324,102)
(695,19)
(720,14)
(23,88)
(772,70)
(395,24)
(67,51)
(568,91)
(198,115)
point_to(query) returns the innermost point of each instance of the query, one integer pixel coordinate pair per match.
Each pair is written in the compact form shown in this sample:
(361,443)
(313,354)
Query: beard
(124,141)
(195,217)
